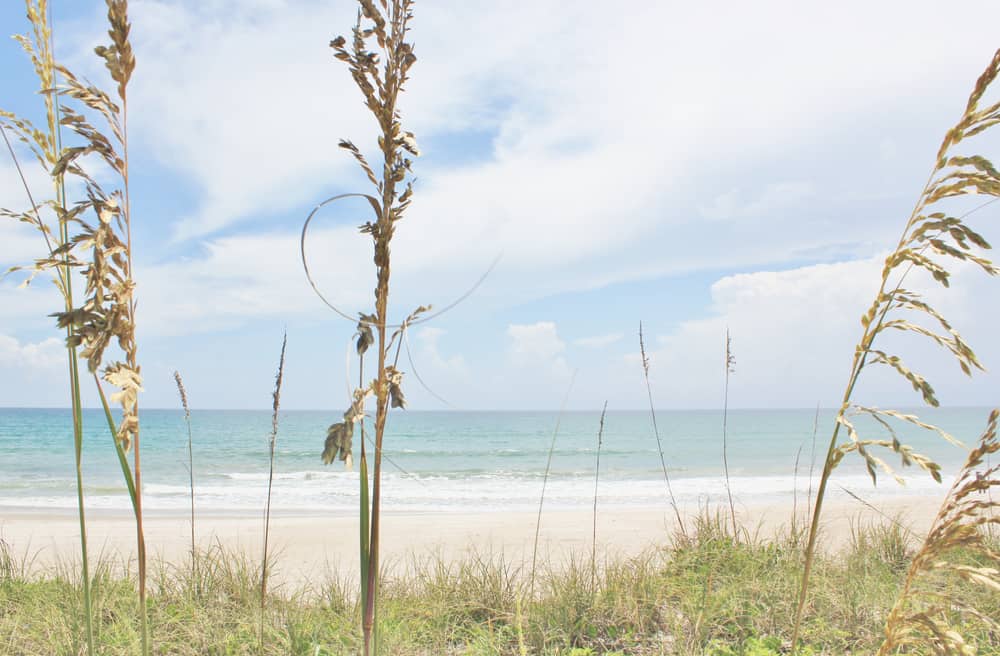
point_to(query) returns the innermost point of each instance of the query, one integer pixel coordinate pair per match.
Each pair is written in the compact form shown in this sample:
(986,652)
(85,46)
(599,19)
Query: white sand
(307,547)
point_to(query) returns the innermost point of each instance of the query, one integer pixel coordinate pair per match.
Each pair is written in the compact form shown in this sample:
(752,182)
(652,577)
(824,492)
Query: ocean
(455,461)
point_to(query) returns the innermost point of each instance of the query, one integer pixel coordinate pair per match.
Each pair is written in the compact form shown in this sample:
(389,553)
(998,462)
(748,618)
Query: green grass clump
(703,594)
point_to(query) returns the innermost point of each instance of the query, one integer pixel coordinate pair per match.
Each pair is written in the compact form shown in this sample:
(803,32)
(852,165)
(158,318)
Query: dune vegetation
(715,588)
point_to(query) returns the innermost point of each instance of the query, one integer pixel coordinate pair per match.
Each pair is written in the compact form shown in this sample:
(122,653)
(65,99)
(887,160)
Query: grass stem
(730,363)
(597,479)
(187,420)
(276,405)
(656,432)
(545,481)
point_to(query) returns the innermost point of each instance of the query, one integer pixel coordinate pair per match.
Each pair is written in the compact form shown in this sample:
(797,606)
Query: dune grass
(704,594)
(379,56)
(714,590)
(936,236)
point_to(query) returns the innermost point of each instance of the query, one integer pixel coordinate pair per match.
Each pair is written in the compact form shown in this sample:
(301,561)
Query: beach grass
(701,594)
(717,588)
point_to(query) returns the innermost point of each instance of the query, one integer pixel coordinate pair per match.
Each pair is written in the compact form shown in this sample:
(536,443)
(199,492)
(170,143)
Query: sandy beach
(310,546)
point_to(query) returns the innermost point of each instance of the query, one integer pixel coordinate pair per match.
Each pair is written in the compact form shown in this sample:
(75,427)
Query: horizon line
(513,410)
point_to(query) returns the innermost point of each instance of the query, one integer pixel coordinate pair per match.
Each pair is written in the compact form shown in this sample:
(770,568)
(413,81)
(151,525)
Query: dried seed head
(365,335)
(338,443)
(395,379)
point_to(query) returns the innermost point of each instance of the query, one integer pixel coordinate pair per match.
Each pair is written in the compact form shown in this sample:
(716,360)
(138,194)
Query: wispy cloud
(598,341)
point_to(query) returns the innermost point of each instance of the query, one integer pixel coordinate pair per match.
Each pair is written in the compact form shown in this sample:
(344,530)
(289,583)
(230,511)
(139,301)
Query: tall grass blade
(275,407)
(365,525)
(119,450)
(187,420)
(656,432)
(730,368)
(812,462)
(932,238)
(545,481)
(597,481)
(48,150)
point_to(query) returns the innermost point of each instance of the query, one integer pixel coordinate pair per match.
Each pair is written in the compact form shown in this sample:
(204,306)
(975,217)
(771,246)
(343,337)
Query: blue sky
(691,166)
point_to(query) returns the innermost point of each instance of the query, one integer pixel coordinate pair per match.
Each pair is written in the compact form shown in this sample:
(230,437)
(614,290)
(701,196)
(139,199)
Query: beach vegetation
(705,594)
(182,392)
(936,238)
(92,238)
(272,441)
(715,587)
(379,56)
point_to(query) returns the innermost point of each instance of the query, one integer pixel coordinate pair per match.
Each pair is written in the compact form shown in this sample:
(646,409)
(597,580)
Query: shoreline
(308,544)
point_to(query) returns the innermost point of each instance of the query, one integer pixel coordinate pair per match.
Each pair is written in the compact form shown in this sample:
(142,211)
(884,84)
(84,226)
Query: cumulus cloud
(794,334)
(32,358)
(429,355)
(537,346)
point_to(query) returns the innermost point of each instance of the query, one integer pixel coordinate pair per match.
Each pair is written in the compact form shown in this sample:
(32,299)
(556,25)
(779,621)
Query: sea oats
(380,71)
(934,238)
(922,615)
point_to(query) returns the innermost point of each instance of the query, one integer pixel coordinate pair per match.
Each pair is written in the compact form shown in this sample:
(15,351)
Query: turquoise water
(441,461)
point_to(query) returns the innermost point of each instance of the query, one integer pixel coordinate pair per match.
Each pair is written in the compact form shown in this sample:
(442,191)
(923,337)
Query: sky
(697,167)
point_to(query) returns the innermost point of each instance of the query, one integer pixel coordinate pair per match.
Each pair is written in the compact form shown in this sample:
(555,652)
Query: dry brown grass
(935,237)
(379,57)
(922,615)
(100,249)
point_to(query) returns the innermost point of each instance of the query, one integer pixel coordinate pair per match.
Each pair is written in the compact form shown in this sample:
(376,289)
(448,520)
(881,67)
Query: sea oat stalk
(920,615)
(730,368)
(656,432)
(380,73)
(47,148)
(187,420)
(932,238)
(545,482)
(597,480)
(103,250)
(272,442)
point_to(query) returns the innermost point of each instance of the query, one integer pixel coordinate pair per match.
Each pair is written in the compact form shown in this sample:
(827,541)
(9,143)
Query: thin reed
(187,421)
(812,462)
(656,431)
(597,482)
(730,369)
(545,482)
(380,70)
(272,442)
(934,236)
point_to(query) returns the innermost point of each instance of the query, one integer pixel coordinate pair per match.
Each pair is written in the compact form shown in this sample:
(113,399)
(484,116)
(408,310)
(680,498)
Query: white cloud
(537,346)
(248,276)
(794,334)
(247,102)
(605,154)
(21,242)
(32,359)
(776,197)
(533,343)
(429,352)
(598,341)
